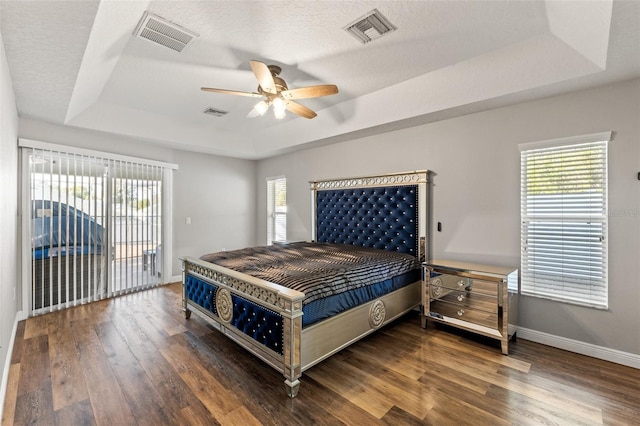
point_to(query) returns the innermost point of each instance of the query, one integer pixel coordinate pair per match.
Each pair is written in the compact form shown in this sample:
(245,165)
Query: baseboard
(21,315)
(595,351)
(175,279)
(7,363)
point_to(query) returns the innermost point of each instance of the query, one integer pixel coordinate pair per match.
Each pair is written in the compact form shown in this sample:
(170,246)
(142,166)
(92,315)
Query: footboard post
(185,309)
(292,335)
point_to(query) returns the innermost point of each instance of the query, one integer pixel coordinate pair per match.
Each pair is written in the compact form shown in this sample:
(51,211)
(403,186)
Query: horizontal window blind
(564,222)
(276,209)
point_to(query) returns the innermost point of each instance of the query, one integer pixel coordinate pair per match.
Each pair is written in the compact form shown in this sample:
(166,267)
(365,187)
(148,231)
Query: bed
(383,217)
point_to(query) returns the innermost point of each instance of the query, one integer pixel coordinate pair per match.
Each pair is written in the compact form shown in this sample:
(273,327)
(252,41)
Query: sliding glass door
(136,218)
(95,227)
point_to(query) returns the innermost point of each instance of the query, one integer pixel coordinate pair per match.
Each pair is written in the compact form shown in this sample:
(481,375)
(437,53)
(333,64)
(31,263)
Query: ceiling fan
(275,92)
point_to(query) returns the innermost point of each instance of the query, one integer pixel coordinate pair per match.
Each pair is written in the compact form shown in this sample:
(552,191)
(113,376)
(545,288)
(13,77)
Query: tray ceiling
(79,64)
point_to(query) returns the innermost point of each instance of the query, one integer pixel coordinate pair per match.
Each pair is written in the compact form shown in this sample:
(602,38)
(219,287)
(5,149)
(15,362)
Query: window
(276,209)
(564,219)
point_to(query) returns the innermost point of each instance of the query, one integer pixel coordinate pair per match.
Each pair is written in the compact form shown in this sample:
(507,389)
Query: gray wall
(219,196)
(8,210)
(476,194)
(218,193)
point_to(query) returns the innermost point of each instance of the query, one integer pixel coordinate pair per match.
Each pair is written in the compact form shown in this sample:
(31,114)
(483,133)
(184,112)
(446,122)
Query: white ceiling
(77,63)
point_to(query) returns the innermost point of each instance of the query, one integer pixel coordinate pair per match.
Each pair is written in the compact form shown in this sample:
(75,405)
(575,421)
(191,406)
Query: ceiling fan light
(261,107)
(279,108)
(279,114)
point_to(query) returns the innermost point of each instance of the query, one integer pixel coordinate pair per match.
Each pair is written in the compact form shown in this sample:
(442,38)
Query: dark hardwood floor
(136,360)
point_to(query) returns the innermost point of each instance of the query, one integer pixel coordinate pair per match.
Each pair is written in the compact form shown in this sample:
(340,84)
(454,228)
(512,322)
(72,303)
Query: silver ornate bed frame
(302,348)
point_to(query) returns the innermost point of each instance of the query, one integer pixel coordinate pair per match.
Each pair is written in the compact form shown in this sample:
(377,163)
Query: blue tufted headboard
(387,212)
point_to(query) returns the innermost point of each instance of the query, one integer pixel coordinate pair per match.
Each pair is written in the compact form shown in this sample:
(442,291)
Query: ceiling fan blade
(231,92)
(310,92)
(265,79)
(300,109)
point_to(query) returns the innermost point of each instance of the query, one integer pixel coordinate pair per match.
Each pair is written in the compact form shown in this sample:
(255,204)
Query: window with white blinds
(564,219)
(276,209)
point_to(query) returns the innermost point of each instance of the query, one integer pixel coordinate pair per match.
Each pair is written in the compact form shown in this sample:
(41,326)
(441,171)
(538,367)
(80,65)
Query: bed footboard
(263,317)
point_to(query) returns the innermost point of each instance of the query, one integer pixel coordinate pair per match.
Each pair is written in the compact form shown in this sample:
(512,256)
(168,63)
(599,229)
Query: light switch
(187,220)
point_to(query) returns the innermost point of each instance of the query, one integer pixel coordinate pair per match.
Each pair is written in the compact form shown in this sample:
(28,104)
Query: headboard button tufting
(346,216)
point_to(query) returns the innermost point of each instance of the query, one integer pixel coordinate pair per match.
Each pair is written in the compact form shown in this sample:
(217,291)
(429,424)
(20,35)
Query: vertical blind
(564,222)
(96,227)
(276,209)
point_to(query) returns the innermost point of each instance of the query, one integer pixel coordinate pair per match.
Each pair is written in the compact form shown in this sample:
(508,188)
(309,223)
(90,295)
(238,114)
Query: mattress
(333,277)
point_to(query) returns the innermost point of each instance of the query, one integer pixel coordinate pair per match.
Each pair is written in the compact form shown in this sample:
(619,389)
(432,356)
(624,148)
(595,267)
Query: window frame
(564,228)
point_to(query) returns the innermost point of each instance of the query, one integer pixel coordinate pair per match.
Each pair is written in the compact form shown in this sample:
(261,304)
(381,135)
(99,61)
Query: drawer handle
(461,312)
(460,297)
(461,283)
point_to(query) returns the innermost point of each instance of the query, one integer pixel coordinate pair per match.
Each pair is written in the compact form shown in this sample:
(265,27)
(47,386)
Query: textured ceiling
(77,63)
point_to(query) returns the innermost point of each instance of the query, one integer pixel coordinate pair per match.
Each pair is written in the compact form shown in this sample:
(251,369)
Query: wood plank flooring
(136,360)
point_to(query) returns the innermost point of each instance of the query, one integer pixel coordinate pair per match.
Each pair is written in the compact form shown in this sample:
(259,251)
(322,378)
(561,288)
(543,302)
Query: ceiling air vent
(371,26)
(160,31)
(216,112)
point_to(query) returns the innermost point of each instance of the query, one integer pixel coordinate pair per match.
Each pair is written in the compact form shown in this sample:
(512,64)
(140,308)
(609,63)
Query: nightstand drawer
(455,282)
(463,313)
(467,299)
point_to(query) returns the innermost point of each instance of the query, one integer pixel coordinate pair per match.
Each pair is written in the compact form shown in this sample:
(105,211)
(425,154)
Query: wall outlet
(187,220)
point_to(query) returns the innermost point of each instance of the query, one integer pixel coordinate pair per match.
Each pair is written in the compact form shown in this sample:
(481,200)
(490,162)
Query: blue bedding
(333,305)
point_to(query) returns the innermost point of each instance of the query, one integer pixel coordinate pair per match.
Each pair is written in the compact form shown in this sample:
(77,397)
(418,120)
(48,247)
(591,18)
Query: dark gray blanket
(317,269)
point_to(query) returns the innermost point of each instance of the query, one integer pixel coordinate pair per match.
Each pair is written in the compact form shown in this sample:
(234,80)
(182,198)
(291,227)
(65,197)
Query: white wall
(476,194)
(8,214)
(218,193)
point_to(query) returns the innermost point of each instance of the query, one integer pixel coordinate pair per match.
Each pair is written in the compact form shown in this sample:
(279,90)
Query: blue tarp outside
(50,237)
